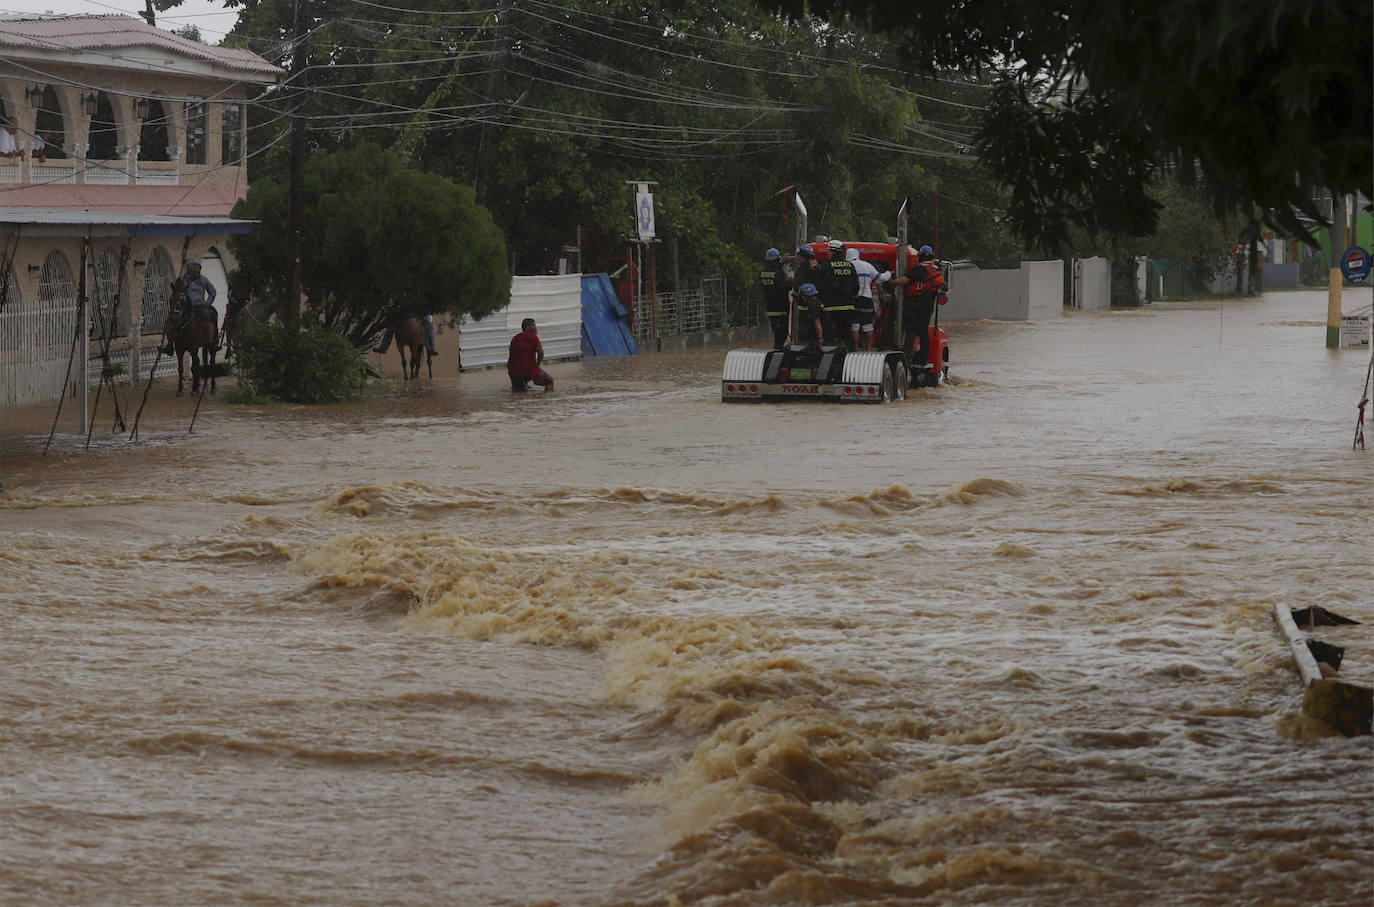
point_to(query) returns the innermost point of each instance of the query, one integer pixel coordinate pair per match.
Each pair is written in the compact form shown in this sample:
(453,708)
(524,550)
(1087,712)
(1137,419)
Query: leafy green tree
(1190,231)
(376,231)
(1260,102)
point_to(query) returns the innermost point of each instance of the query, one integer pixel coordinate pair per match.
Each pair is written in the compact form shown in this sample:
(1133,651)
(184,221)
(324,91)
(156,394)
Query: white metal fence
(684,312)
(36,337)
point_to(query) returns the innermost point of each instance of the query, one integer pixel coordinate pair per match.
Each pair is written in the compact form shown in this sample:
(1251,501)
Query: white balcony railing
(99,174)
(11,172)
(53,172)
(157,177)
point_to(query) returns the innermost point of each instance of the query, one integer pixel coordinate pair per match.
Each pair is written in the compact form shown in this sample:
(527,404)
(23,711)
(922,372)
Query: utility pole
(498,72)
(295,217)
(1336,239)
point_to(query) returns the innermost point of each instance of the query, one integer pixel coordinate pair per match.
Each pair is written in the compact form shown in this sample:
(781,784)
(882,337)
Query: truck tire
(900,380)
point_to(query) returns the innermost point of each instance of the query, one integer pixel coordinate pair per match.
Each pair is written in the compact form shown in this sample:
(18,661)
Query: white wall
(1044,289)
(1033,291)
(1094,283)
(555,302)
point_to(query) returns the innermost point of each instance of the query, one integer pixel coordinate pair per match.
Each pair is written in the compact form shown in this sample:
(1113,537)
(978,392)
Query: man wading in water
(526,355)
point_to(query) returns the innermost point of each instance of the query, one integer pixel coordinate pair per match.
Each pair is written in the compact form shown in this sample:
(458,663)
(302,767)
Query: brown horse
(188,332)
(234,311)
(409,334)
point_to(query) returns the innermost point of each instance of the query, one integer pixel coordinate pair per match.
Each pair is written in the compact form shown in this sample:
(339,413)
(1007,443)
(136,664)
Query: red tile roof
(115,31)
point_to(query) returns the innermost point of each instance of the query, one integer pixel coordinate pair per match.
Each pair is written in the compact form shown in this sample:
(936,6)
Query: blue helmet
(808,289)
(926,252)
(805,251)
(772,255)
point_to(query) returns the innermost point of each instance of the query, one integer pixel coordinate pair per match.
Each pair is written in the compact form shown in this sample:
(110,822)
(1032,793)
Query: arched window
(14,319)
(48,125)
(105,319)
(57,295)
(104,143)
(157,291)
(153,140)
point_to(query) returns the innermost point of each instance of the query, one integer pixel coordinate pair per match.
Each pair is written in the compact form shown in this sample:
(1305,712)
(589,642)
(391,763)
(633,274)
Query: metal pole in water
(1336,240)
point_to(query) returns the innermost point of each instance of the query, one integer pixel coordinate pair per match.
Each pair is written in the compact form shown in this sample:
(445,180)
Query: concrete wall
(1280,275)
(1031,292)
(1044,289)
(1093,283)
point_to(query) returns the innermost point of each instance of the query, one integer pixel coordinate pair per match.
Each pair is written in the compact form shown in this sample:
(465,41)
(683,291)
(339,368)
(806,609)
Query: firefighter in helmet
(776,285)
(924,285)
(840,289)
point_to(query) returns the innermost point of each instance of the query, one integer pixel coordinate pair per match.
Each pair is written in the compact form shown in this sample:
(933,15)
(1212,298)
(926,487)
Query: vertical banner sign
(899,265)
(898,270)
(801,220)
(644,213)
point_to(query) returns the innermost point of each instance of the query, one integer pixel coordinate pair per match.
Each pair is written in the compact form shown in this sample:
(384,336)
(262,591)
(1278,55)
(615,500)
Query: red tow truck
(835,372)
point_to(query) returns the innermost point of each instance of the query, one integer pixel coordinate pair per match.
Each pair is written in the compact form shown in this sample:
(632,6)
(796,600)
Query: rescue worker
(923,288)
(839,290)
(867,312)
(200,294)
(809,315)
(777,289)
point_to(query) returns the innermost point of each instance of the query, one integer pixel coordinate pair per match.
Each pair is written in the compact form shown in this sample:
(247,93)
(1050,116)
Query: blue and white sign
(644,214)
(1355,264)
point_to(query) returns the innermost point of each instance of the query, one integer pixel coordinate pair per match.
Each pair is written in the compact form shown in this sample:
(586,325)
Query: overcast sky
(209,16)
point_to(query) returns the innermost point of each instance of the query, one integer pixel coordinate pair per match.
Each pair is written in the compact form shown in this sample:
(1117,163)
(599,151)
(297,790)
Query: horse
(409,334)
(234,309)
(189,333)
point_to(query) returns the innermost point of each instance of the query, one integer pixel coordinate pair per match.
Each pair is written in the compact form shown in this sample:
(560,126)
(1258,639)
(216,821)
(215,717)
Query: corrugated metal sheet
(115,31)
(605,322)
(554,302)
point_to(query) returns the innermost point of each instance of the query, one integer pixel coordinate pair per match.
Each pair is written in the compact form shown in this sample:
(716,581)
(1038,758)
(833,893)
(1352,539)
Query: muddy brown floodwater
(1006,642)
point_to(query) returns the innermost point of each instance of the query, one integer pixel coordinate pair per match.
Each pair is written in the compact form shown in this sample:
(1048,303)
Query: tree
(1260,102)
(376,230)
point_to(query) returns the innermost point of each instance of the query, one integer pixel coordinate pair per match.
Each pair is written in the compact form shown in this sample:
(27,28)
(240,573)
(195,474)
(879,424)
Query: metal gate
(36,337)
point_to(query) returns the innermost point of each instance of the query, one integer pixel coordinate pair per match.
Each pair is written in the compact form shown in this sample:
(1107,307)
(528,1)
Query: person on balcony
(9,143)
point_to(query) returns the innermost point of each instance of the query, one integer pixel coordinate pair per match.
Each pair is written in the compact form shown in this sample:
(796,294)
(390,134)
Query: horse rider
(199,293)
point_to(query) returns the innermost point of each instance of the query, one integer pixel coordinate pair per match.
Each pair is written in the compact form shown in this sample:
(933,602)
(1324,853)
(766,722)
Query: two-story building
(127,144)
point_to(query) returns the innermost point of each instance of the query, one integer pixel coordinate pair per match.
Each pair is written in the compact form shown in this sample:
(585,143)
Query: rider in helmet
(777,287)
(809,322)
(839,289)
(866,311)
(200,295)
(923,287)
(806,271)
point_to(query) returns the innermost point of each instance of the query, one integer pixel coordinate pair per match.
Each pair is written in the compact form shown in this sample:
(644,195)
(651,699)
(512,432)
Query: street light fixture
(91,103)
(35,95)
(141,108)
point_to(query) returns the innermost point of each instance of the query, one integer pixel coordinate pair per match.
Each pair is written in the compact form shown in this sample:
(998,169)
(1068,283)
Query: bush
(312,365)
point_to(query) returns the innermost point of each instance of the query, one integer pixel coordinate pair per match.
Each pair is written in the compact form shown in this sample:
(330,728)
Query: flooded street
(1007,642)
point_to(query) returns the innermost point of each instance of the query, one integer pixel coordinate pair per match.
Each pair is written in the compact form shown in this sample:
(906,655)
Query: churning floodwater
(1007,642)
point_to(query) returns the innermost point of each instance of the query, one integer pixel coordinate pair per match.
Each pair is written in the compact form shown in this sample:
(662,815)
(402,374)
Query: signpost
(1355,264)
(644,240)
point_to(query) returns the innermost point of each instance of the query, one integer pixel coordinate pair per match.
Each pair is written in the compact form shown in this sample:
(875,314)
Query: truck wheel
(900,381)
(889,386)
